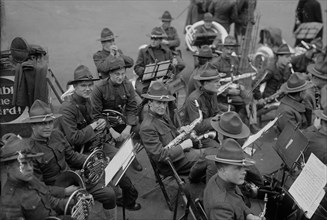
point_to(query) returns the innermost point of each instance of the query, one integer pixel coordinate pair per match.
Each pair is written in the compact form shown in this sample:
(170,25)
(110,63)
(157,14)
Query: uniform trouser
(103,194)
(129,191)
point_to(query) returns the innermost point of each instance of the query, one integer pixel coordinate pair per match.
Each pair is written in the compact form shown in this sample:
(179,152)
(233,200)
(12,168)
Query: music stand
(308,30)
(204,39)
(156,70)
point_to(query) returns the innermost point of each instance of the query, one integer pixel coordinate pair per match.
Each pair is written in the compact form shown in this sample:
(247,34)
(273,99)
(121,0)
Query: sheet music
(149,71)
(163,68)
(120,160)
(308,189)
(256,136)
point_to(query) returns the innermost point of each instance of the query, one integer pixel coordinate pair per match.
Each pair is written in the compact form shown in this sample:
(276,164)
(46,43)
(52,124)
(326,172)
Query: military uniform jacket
(173,38)
(317,144)
(156,132)
(224,200)
(292,112)
(118,97)
(208,105)
(224,65)
(102,60)
(76,119)
(56,151)
(28,200)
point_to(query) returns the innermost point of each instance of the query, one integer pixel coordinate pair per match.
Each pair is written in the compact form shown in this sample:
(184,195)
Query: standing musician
(154,52)
(157,131)
(291,105)
(117,93)
(206,95)
(23,195)
(59,157)
(222,197)
(80,129)
(103,58)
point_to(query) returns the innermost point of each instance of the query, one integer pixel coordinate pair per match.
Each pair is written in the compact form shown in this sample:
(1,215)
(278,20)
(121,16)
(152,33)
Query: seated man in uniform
(222,197)
(82,131)
(206,96)
(102,58)
(57,155)
(157,131)
(291,108)
(117,93)
(154,52)
(207,29)
(23,195)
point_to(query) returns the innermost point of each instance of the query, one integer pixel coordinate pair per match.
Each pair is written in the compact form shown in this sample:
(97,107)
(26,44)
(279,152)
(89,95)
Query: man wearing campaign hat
(291,106)
(59,157)
(117,93)
(102,58)
(172,40)
(23,195)
(222,197)
(157,130)
(276,74)
(206,96)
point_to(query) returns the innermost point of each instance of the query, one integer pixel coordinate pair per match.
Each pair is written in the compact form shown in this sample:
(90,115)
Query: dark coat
(196,11)
(224,200)
(173,38)
(120,98)
(156,132)
(102,60)
(224,65)
(292,112)
(225,12)
(309,11)
(317,144)
(28,200)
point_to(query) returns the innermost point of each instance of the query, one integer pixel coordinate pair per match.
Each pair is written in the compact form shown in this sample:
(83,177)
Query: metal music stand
(156,70)
(308,30)
(204,39)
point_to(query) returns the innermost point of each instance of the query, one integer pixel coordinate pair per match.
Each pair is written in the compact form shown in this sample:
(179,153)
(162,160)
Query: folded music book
(204,39)
(156,70)
(308,188)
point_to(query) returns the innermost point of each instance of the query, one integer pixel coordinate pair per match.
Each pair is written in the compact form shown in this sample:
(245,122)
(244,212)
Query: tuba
(191,30)
(188,129)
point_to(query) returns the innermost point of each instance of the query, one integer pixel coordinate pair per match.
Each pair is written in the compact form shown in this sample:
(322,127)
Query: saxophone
(188,130)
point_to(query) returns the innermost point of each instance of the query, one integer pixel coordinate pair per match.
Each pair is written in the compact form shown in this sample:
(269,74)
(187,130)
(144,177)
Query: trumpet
(210,134)
(190,127)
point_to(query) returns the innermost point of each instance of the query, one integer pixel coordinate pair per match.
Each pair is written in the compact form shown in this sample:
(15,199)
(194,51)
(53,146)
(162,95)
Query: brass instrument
(230,81)
(291,67)
(190,127)
(210,134)
(264,210)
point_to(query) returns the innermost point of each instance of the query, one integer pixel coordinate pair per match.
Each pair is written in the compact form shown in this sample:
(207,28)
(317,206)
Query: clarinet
(265,200)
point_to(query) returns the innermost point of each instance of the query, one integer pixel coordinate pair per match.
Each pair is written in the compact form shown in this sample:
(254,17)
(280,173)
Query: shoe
(133,207)
(136,165)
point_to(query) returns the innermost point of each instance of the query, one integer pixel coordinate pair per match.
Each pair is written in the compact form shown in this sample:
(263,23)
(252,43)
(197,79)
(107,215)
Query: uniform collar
(79,99)
(226,185)
(287,100)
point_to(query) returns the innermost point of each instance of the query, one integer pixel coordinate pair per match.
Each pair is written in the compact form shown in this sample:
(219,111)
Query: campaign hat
(229,41)
(157,32)
(205,51)
(166,16)
(230,124)
(296,83)
(106,35)
(231,153)
(208,74)
(318,69)
(158,91)
(208,17)
(284,49)
(116,63)
(40,112)
(16,148)
(82,73)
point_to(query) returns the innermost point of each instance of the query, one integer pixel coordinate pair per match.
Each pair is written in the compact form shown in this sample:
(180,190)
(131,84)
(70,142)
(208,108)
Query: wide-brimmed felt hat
(231,153)
(229,41)
(208,74)
(318,69)
(157,32)
(317,43)
(158,91)
(321,114)
(296,83)
(40,112)
(16,148)
(106,35)
(116,63)
(166,16)
(284,49)
(208,17)
(82,73)
(230,125)
(205,51)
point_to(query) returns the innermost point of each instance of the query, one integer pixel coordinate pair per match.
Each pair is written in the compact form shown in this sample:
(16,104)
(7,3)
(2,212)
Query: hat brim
(107,38)
(244,162)
(284,88)
(80,80)
(167,98)
(320,114)
(41,119)
(200,78)
(14,157)
(311,69)
(244,133)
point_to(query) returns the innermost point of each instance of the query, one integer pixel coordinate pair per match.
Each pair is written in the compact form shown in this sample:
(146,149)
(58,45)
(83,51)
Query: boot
(111,214)
(136,165)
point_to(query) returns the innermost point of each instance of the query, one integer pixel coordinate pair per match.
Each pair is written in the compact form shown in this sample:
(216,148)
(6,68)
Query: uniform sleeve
(129,62)
(131,107)
(73,158)
(96,99)
(221,211)
(68,122)
(287,117)
(140,64)
(102,63)
(154,147)
(176,41)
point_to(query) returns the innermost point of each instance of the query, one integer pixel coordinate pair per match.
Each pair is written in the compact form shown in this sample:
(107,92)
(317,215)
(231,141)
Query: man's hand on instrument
(101,124)
(70,189)
(261,102)
(114,50)
(125,133)
(165,42)
(115,135)
(187,144)
(185,129)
